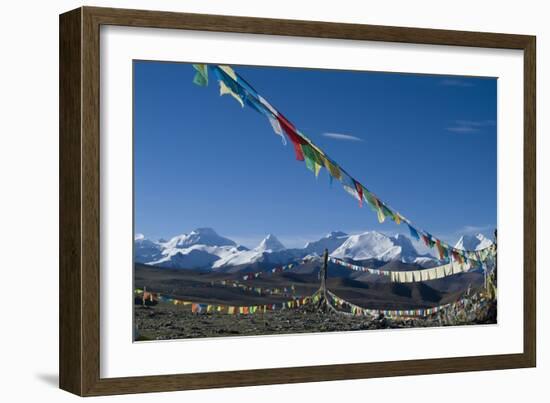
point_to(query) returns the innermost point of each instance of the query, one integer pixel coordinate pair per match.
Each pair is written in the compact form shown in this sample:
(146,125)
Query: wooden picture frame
(79,346)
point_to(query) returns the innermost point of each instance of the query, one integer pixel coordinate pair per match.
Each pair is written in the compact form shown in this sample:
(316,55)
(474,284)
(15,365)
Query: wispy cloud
(462,129)
(341,136)
(470,126)
(454,82)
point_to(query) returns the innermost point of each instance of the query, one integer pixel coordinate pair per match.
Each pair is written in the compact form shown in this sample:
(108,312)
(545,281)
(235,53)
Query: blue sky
(424,144)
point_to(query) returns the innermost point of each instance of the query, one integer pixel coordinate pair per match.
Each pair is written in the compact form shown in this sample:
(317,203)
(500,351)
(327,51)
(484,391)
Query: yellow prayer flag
(333,169)
(224,89)
(317,169)
(397,218)
(381,216)
(379,212)
(229,71)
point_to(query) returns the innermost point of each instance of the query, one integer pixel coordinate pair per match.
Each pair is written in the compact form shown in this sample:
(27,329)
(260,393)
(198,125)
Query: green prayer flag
(201,77)
(309,157)
(387,212)
(310,164)
(370,199)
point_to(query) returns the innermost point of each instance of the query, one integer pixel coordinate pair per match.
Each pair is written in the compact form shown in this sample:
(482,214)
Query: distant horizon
(203,161)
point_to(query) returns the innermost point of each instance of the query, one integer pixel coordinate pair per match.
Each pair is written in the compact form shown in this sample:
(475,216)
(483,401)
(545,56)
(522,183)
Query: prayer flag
(428,241)
(431,241)
(201,76)
(359,189)
(387,212)
(277,128)
(333,169)
(292,134)
(228,85)
(229,71)
(440,249)
(413,232)
(224,89)
(310,163)
(397,218)
(317,169)
(380,214)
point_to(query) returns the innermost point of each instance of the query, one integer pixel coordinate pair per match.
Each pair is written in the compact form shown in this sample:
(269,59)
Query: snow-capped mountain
(473,242)
(269,251)
(200,236)
(270,244)
(198,249)
(203,248)
(374,245)
(331,241)
(146,250)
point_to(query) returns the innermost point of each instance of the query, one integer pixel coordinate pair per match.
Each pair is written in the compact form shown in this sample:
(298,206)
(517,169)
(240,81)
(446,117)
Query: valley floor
(162,320)
(165,321)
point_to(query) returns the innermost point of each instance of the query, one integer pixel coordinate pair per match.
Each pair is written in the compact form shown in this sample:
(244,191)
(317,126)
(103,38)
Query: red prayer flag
(426,240)
(359,190)
(457,257)
(460,258)
(440,249)
(291,132)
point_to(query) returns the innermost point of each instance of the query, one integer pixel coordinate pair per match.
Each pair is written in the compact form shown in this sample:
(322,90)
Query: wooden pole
(324,274)
(323,304)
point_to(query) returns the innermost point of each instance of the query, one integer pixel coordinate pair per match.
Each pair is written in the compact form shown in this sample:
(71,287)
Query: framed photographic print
(249,201)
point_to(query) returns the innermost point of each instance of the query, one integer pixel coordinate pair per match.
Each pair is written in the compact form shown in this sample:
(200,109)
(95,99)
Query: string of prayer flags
(201,308)
(398,313)
(305,150)
(411,276)
(279,269)
(284,291)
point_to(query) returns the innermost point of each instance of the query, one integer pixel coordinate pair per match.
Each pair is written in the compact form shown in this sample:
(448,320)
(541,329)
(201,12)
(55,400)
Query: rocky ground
(165,321)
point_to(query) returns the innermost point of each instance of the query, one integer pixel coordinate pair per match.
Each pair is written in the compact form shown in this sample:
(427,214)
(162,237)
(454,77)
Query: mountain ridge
(204,248)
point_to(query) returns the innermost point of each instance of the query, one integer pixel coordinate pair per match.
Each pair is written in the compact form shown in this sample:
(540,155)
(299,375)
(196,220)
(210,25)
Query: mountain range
(203,248)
